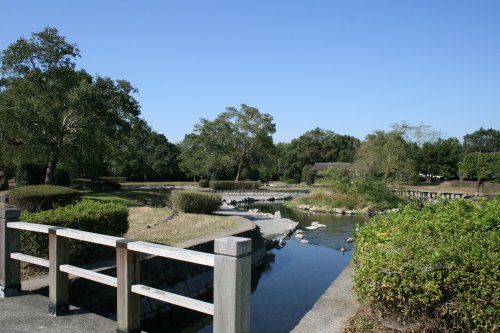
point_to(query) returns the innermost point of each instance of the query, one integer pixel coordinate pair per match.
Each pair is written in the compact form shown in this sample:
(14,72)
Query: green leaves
(441,262)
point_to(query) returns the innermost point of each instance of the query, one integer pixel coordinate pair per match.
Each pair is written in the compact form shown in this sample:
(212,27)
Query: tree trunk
(239,170)
(51,167)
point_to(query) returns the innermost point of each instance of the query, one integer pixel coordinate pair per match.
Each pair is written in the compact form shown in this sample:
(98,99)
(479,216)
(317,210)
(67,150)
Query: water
(299,274)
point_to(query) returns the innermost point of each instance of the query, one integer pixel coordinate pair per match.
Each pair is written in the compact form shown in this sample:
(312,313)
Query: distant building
(323,166)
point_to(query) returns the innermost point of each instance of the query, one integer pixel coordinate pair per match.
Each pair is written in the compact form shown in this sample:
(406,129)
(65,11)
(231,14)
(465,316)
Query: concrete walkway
(269,224)
(334,308)
(28,313)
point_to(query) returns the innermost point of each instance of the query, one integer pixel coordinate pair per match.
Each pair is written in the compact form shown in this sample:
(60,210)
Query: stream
(294,280)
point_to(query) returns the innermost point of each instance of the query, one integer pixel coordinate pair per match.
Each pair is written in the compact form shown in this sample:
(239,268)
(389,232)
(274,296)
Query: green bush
(308,175)
(4,181)
(62,178)
(42,197)
(291,181)
(30,174)
(196,202)
(204,183)
(441,263)
(101,218)
(221,185)
(374,191)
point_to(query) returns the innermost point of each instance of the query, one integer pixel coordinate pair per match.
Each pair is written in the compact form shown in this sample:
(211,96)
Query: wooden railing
(231,262)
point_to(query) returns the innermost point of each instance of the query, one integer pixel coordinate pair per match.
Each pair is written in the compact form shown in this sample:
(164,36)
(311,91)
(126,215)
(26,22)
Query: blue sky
(348,66)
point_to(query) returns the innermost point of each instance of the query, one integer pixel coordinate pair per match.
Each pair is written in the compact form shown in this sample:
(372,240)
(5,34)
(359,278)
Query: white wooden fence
(231,262)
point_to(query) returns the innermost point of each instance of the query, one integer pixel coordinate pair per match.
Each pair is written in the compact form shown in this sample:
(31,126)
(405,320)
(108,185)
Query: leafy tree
(480,166)
(317,146)
(49,110)
(143,154)
(387,155)
(418,134)
(440,157)
(308,174)
(482,141)
(228,145)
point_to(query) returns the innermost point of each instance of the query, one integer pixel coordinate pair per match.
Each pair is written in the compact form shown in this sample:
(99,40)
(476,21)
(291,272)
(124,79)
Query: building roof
(324,166)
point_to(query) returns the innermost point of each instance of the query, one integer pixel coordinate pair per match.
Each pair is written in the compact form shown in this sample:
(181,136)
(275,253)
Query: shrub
(204,183)
(42,197)
(196,202)
(291,181)
(4,181)
(336,178)
(374,191)
(308,175)
(30,174)
(439,263)
(102,218)
(233,185)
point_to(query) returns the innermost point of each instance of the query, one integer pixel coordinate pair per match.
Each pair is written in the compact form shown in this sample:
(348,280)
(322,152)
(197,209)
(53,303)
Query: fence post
(10,242)
(128,310)
(232,279)
(58,281)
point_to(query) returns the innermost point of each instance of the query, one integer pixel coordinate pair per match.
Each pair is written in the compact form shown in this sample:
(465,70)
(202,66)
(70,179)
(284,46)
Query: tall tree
(229,144)
(386,154)
(316,146)
(482,141)
(48,109)
(440,157)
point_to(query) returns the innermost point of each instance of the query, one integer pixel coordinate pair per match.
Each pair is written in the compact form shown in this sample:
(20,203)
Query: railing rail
(231,262)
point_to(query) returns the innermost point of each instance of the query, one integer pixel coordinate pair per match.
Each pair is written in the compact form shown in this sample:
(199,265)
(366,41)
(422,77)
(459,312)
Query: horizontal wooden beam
(42,228)
(30,259)
(172,298)
(89,237)
(171,252)
(89,275)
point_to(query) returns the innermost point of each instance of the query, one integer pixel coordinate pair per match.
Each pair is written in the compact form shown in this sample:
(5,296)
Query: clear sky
(348,66)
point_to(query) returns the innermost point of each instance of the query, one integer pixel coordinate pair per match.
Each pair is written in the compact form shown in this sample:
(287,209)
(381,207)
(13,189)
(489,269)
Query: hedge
(233,185)
(42,197)
(30,174)
(204,183)
(196,202)
(440,263)
(102,218)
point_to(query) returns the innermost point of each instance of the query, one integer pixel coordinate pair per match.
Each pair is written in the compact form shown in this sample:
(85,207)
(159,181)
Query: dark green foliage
(482,141)
(4,181)
(30,174)
(42,197)
(440,262)
(315,146)
(196,202)
(204,183)
(96,185)
(439,158)
(62,178)
(221,185)
(101,218)
(308,175)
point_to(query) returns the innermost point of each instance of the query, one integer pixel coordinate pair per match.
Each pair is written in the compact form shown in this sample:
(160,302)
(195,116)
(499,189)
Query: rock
(277,215)
(343,249)
(304,241)
(299,236)
(314,223)
(312,227)
(349,240)
(299,231)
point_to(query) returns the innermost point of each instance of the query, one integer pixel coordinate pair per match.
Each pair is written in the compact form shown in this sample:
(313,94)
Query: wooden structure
(231,262)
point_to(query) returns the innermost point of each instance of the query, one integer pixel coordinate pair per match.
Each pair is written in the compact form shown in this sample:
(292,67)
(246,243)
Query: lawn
(149,224)
(159,224)
(129,198)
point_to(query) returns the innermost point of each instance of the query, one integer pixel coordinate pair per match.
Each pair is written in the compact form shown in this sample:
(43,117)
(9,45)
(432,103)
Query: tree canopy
(482,141)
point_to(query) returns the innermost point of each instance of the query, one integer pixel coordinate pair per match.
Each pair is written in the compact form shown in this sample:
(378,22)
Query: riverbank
(334,309)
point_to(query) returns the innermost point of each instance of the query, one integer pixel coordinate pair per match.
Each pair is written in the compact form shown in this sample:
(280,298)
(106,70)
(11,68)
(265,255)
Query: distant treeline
(58,122)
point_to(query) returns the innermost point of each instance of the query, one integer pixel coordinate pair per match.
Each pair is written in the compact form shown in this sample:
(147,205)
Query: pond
(296,277)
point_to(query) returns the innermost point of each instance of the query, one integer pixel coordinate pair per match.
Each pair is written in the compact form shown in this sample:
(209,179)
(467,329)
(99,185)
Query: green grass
(129,198)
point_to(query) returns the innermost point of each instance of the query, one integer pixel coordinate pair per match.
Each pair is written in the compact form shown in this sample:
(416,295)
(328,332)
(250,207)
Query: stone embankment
(338,211)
